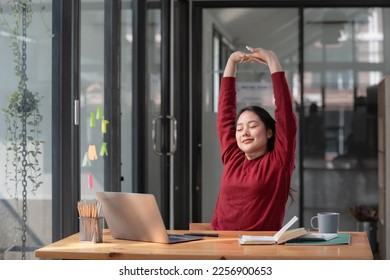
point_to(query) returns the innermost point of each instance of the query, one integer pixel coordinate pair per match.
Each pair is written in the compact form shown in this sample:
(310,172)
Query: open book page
(280,237)
(249,239)
(291,234)
(286,227)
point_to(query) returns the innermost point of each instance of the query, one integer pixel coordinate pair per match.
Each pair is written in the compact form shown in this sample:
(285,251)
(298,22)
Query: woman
(258,154)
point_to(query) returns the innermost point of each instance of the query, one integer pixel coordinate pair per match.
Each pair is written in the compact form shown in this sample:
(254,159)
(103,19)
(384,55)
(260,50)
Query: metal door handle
(154,143)
(173,147)
(174,142)
(76,112)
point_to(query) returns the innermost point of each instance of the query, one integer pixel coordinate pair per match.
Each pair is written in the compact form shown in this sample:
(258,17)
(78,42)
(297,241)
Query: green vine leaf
(21,111)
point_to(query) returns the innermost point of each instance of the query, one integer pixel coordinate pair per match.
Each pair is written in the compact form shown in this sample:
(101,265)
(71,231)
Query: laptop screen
(133,216)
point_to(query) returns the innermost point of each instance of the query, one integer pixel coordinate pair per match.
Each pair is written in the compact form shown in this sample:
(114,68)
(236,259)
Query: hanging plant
(22,116)
(22,111)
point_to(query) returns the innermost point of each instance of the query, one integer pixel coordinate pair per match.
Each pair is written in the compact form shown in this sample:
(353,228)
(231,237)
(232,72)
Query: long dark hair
(266,118)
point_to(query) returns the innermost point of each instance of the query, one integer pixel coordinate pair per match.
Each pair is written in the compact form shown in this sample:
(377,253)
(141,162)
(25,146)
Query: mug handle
(311,222)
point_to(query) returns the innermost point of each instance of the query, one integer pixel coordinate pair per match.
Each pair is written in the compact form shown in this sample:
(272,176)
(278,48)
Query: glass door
(160,125)
(153,120)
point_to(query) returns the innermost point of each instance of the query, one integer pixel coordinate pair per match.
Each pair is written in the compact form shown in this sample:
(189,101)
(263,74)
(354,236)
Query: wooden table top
(226,246)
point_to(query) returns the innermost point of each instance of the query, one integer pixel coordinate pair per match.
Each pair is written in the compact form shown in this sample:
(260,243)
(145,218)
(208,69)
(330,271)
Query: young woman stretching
(258,153)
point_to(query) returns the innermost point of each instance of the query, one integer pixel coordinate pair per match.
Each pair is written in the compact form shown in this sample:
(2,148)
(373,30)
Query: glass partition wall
(94,125)
(26,170)
(344,58)
(93,149)
(126,95)
(343,63)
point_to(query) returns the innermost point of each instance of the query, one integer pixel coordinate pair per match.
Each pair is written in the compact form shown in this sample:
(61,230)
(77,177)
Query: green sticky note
(99,113)
(103,150)
(92,122)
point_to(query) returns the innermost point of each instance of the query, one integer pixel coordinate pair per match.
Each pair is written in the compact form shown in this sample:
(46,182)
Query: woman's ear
(269,133)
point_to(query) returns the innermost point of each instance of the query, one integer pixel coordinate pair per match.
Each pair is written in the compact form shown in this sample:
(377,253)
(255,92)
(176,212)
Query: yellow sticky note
(104,125)
(103,150)
(99,113)
(92,122)
(92,155)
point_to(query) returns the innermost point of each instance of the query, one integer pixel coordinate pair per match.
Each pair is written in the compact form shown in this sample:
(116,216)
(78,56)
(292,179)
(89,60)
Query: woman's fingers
(257,54)
(255,58)
(254,50)
(250,58)
(239,56)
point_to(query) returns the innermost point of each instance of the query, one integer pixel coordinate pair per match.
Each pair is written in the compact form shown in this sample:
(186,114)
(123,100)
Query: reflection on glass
(91,98)
(154,99)
(126,95)
(343,64)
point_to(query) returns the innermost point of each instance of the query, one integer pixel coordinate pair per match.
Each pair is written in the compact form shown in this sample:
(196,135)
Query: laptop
(136,216)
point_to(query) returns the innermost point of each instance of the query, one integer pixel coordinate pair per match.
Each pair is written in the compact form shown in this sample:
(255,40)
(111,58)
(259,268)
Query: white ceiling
(278,28)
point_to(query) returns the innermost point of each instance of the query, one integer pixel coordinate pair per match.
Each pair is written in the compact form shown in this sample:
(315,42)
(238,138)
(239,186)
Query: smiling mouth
(246,141)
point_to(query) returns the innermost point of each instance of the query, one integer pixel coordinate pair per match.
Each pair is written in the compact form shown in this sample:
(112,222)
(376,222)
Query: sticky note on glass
(90,181)
(103,150)
(92,122)
(86,160)
(99,113)
(92,155)
(104,125)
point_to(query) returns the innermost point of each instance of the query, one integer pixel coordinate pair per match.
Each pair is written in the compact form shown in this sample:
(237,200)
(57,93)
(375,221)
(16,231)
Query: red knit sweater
(253,193)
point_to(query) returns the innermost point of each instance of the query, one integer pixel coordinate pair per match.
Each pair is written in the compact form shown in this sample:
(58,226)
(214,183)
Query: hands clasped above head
(258,54)
(267,57)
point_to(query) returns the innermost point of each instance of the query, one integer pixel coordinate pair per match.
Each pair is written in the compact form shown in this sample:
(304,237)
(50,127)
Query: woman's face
(252,135)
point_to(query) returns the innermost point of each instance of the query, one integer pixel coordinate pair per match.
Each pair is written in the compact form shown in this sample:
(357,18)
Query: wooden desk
(224,247)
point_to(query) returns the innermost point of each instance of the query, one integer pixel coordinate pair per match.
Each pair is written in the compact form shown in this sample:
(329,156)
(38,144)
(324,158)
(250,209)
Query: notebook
(135,216)
(341,239)
(318,236)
